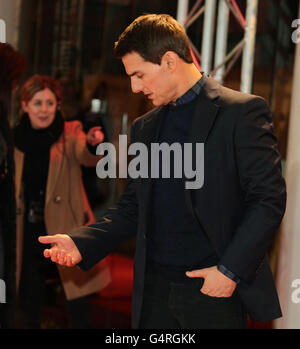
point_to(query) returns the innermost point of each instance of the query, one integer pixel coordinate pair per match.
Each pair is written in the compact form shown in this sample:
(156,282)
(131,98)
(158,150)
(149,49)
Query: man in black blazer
(200,257)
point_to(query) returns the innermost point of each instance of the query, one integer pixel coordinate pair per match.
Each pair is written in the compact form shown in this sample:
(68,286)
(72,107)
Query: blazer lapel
(205,113)
(203,120)
(149,133)
(204,117)
(149,129)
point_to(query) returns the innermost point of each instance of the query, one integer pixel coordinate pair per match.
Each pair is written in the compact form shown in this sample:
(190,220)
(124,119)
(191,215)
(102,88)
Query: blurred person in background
(50,198)
(12,66)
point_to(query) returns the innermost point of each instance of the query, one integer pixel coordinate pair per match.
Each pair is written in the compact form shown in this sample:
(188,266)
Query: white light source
(2,31)
(96,105)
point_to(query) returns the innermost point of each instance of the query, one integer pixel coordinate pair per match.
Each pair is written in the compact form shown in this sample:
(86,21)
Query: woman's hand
(95,136)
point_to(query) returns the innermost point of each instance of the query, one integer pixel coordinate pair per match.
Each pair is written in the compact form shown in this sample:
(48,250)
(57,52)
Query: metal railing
(222,62)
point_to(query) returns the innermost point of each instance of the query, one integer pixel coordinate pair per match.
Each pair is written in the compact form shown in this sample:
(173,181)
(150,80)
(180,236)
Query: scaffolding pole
(221,39)
(246,46)
(208,35)
(249,48)
(182,11)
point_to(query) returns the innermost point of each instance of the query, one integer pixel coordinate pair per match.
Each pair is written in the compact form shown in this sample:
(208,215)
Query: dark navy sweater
(176,242)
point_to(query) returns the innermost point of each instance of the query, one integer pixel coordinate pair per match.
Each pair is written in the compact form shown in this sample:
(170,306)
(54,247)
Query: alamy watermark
(145,158)
(2,31)
(2,291)
(296,33)
(296,292)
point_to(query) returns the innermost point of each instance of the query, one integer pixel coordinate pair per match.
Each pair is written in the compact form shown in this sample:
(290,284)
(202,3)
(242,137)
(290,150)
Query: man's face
(154,80)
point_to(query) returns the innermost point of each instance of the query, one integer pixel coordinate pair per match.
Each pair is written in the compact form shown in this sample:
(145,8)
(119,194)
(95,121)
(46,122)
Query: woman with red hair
(50,198)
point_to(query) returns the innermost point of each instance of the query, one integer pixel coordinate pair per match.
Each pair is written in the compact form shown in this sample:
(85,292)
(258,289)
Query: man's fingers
(215,293)
(207,292)
(69,261)
(61,257)
(54,253)
(47,253)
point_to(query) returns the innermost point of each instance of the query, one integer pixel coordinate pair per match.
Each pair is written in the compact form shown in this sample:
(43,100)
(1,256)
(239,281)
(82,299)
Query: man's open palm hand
(63,252)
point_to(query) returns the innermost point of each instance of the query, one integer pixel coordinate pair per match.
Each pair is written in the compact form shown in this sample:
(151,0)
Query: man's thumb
(201,273)
(47,239)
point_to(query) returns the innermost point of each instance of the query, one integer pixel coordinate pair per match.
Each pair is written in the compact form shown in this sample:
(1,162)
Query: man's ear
(24,106)
(169,60)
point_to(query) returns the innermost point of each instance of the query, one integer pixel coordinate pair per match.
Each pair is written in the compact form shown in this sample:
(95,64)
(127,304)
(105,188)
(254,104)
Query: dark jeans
(173,305)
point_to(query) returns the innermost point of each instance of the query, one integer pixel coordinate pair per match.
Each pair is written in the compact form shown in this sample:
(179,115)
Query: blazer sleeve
(118,225)
(264,190)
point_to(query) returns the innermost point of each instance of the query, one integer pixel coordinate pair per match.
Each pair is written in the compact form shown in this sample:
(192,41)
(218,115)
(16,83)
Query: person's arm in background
(88,245)
(85,144)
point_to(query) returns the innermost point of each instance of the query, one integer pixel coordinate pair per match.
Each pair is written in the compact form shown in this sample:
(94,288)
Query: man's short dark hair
(151,36)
